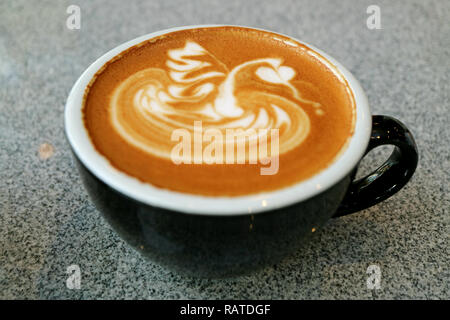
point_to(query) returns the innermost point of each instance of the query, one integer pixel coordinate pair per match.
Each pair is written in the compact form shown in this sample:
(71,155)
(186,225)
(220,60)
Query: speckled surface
(48,223)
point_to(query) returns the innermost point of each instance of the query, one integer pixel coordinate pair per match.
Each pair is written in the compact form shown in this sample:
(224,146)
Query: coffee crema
(225,78)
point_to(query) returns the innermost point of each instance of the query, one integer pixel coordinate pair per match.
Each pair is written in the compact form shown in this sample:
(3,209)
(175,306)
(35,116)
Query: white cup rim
(98,165)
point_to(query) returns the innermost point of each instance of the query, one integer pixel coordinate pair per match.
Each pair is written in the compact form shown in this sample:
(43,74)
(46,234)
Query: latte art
(219,111)
(148,106)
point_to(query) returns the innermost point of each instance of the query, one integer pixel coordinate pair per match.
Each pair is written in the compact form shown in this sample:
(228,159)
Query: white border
(204,205)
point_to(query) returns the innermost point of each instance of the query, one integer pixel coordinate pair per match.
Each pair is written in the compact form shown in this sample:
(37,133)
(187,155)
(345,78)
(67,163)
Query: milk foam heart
(190,87)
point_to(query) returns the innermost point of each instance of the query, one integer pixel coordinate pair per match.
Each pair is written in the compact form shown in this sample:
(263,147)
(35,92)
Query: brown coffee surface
(220,78)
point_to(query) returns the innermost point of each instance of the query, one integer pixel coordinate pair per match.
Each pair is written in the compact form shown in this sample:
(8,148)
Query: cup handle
(392,175)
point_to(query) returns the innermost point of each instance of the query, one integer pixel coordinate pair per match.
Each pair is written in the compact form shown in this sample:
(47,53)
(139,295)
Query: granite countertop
(48,223)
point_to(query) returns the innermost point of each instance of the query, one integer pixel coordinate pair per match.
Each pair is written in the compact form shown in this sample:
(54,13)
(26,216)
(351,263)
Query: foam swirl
(194,85)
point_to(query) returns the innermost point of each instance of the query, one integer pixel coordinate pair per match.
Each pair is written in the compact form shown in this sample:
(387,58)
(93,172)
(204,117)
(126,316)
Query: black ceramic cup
(227,236)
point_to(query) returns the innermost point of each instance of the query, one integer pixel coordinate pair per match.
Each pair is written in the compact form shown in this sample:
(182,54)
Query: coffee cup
(217,236)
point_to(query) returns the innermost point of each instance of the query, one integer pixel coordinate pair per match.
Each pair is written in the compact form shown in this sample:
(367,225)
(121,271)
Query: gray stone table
(48,223)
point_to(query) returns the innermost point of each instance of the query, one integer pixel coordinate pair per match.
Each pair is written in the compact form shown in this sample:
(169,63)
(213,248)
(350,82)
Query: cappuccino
(144,108)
